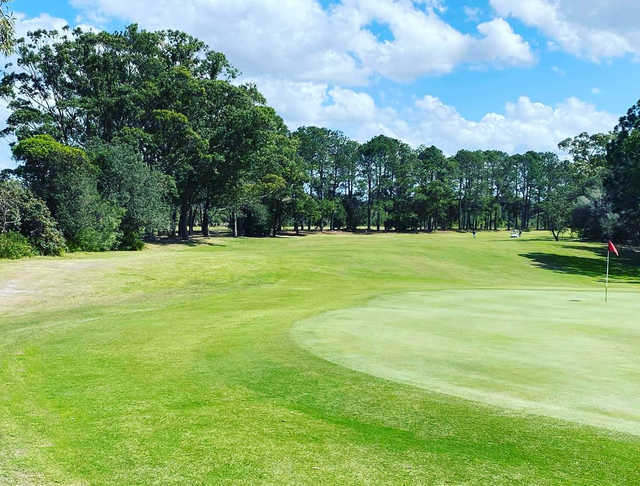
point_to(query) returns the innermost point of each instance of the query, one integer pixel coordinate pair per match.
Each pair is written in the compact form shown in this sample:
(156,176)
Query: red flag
(613,248)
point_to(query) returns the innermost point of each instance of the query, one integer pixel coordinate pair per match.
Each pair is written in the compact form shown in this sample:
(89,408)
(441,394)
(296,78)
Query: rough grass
(177,365)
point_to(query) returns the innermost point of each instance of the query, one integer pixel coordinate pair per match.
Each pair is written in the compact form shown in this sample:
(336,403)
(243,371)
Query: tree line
(125,136)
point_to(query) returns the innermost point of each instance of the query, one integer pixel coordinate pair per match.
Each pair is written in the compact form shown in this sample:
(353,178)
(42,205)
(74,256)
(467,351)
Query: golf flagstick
(610,248)
(606,281)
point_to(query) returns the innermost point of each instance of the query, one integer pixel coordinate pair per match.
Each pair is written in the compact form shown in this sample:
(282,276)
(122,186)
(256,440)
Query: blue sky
(509,74)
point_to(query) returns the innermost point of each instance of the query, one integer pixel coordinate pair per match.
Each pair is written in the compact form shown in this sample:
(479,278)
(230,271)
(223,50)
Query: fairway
(559,353)
(325,359)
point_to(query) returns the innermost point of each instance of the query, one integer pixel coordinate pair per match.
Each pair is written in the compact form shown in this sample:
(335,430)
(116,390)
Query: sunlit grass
(177,365)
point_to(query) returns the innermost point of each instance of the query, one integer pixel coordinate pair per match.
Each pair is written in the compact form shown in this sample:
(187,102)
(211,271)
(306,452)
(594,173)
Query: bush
(40,228)
(255,220)
(131,240)
(89,222)
(64,178)
(130,183)
(13,246)
(22,212)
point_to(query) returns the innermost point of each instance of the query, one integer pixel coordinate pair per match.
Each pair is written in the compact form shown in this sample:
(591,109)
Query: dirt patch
(26,283)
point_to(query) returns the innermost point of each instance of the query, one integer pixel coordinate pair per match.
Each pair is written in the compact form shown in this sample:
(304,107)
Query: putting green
(563,354)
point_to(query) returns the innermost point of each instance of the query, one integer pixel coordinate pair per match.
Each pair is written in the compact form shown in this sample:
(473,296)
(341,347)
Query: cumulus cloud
(472,13)
(24,24)
(523,125)
(588,28)
(306,42)
(311,63)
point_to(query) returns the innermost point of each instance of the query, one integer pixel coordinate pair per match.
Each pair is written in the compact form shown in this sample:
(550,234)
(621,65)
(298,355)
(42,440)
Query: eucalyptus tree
(377,160)
(622,181)
(560,195)
(278,170)
(318,149)
(347,161)
(7,29)
(434,193)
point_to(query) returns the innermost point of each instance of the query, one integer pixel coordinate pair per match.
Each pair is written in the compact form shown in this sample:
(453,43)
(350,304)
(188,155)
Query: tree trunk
(183,224)
(369,208)
(205,218)
(174,222)
(234,215)
(192,218)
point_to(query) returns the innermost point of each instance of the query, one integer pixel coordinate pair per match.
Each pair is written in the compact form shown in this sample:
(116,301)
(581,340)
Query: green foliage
(13,246)
(66,180)
(171,141)
(44,161)
(593,216)
(255,220)
(623,179)
(7,29)
(130,183)
(89,222)
(22,212)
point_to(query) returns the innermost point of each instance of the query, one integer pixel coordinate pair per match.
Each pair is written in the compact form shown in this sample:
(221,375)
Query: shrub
(255,220)
(22,212)
(131,240)
(66,180)
(130,183)
(13,246)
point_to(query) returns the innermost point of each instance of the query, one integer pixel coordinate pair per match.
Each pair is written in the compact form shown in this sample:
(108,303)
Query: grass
(550,352)
(187,364)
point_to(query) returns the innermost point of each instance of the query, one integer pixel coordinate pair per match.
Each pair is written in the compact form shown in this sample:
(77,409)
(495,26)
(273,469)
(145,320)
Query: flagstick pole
(606,282)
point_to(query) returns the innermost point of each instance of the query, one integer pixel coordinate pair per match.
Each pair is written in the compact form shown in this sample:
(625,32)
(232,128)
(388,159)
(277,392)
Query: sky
(513,75)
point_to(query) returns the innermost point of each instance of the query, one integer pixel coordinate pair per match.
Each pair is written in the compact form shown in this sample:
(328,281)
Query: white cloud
(592,29)
(523,125)
(6,161)
(303,58)
(472,13)
(43,21)
(304,42)
(23,25)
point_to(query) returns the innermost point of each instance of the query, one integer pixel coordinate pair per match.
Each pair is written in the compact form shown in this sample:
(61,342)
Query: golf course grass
(324,359)
(551,352)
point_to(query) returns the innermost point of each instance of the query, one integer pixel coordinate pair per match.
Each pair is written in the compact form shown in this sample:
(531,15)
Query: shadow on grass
(625,268)
(192,241)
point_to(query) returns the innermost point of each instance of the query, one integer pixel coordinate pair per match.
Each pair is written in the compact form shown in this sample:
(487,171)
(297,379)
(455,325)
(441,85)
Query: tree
(66,180)
(278,168)
(434,196)
(10,203)
(180,152)
(22,212)
(622,181)
(6,29)
(142,191)
(588,153)
(560,196)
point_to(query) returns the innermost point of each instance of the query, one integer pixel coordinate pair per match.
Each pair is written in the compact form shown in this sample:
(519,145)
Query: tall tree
(623,179)
(7,30)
